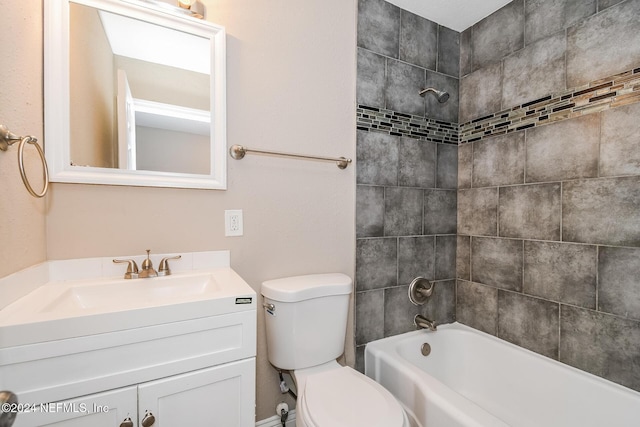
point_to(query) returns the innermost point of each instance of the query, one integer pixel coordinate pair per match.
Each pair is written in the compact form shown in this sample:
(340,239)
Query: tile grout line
(523,267)
(597,307)
(561,211)
(559,331)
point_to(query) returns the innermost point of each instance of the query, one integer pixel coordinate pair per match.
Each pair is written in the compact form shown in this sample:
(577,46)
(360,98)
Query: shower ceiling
(455,14)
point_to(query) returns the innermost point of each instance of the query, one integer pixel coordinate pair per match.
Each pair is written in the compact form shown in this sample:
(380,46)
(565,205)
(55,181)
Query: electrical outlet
(233,222)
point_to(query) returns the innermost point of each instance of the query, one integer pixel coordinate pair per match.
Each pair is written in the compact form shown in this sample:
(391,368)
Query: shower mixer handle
(420,290)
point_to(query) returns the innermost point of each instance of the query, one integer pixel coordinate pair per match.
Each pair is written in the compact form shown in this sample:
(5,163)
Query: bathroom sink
(66,309)
(135,292)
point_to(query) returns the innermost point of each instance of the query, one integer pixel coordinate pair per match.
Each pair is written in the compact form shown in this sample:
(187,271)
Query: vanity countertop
(84,297)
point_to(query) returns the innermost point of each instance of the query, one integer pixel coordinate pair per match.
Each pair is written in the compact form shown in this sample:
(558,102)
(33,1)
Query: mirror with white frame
(134,95)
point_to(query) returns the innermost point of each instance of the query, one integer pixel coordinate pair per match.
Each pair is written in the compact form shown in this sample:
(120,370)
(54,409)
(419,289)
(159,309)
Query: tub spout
(422,322)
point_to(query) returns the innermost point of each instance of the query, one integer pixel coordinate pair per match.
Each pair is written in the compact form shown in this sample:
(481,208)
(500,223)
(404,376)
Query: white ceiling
(455,14)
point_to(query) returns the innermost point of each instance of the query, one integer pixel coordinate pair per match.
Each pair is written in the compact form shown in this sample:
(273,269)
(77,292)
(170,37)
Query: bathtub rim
(388,351)
(457,326)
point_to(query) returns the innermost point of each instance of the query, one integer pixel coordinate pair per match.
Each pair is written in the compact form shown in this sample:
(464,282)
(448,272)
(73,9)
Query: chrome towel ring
(7,139)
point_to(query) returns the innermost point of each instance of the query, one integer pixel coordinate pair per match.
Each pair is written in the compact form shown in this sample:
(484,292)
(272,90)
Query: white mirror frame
(57,99)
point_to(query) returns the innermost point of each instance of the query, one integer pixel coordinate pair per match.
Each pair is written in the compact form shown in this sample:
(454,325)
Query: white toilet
(306,320)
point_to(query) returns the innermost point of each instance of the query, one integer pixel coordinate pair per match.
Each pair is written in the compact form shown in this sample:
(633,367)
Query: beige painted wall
(291,87)
(93,102)
(22,217)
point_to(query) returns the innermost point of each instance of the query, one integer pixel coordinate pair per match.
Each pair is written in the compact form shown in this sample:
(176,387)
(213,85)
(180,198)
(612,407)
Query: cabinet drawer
(106,409)
(57,370)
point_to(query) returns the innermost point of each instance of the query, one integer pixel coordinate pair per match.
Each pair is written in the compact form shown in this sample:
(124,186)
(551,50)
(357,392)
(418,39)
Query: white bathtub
(474,379)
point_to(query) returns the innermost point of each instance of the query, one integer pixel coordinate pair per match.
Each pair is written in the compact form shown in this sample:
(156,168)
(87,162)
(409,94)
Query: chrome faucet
(422,322)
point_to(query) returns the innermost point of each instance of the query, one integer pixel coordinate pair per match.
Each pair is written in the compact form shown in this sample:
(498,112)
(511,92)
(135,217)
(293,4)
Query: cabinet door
(108,409)
(222,396)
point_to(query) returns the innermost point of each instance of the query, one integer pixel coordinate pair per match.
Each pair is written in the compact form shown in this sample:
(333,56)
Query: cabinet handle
(8,416)
(148,419)
(127,422)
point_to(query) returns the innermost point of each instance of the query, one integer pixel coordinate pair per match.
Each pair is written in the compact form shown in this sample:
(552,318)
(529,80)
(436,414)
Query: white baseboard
(275,421)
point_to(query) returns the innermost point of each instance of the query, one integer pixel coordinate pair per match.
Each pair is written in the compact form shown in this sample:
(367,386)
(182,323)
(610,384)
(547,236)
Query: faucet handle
(163,269)
(132,268)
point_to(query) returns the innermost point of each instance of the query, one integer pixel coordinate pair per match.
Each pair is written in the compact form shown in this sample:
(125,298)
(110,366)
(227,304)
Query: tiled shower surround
(548,236)
(548,208)
(406,169)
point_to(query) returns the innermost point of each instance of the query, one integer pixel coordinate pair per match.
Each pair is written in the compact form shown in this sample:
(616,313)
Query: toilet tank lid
(300,288)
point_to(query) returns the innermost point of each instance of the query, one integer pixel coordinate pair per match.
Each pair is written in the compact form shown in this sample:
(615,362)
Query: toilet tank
(307,322)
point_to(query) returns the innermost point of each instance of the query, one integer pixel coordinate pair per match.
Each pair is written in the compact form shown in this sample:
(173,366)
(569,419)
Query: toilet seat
(343,397)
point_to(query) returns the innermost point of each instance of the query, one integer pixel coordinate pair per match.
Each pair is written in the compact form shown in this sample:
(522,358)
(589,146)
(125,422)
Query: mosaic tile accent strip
(614,91)
(372,119)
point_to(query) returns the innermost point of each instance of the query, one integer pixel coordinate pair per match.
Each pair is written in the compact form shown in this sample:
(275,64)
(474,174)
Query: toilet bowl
(339,396)
(306,319)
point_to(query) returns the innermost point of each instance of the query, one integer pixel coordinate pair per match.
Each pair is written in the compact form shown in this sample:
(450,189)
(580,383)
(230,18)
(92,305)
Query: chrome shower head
(441,95)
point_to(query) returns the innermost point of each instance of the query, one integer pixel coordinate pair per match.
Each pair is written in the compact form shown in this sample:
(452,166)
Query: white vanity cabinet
(217,396)
(97,350)
(198,372)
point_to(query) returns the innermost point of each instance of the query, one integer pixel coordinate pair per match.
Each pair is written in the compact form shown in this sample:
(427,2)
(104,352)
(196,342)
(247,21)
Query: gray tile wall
(548,246)
(611,35)
(405,228)
(400,53)
(548,253)
(406,184)
(529,49)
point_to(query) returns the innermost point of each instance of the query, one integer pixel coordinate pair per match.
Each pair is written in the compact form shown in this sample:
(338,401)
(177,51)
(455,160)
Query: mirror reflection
(139,94)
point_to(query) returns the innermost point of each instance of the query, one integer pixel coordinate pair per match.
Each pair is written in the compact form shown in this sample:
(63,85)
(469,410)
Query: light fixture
(192,8)
(196,8)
